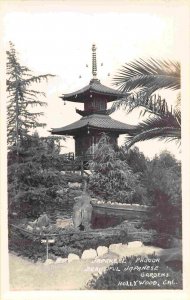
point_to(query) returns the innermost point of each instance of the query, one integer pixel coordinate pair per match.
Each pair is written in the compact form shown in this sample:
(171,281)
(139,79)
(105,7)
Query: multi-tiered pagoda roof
(95,116)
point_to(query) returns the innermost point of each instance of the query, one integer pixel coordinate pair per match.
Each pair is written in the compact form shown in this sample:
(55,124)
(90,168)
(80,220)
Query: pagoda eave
(85,128)
(95,88)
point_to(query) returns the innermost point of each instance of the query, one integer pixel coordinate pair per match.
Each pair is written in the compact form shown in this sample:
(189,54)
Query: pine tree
(21,98)
(35,178)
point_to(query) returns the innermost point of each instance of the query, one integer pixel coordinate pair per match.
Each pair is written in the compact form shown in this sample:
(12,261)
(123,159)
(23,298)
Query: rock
(61,260)
(74,184)
(48,262)
(30,228)
(73,257)
(101,250)
(114,247)
(63,223)
(82,211)
(124,251)
(135,244)
(89,254)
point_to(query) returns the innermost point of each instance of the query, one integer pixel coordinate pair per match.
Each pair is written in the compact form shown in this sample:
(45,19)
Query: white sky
(57,39)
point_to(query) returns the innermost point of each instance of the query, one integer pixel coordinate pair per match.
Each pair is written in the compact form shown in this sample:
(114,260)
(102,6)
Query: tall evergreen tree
(21,98)
(34,178)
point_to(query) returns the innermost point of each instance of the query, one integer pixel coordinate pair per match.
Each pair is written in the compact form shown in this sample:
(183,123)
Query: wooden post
(47,242)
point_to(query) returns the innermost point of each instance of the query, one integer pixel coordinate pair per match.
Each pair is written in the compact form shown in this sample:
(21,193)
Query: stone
(82,211)
(89,254)
(135,244)
(30,228)
(61,260)
(48,262)
(63,223)
(114,247)
(72,257)
(74,184)
(101,250)
(124,251)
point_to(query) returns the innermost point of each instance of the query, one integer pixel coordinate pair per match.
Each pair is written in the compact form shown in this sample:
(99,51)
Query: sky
(57,38)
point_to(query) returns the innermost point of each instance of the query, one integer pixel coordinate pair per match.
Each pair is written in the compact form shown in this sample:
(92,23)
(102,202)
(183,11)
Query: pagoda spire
(94,63)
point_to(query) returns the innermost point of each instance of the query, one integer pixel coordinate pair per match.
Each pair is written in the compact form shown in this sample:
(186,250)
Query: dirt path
(25,275)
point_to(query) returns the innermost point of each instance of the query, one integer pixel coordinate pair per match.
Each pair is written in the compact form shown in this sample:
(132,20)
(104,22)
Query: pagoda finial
(94,63)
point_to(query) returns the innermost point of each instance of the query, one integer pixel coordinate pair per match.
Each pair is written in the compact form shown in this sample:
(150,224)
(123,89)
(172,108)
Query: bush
(128,275)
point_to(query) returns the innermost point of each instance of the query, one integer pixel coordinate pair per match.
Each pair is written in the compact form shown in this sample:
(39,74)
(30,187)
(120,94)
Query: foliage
(135,159)
(21,98)
(112,178)
(122,276)
(163,181)
(149,77)
(162,127)
(67,240)
(152,74)
(161,178)
(34,177)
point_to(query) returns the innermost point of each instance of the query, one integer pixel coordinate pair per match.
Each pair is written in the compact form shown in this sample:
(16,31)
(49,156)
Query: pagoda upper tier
(95,95)
(91,90)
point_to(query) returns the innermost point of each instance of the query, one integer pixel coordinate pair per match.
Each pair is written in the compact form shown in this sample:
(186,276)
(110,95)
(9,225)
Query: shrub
(112,179)
(127,275)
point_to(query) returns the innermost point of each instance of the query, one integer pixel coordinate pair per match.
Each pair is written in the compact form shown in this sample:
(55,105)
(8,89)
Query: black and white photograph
(94,134)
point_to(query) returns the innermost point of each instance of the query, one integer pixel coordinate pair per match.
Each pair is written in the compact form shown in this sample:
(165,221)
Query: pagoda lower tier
(88,130)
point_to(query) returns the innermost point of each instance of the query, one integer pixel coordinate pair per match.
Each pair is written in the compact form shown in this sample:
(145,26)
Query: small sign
(49,241)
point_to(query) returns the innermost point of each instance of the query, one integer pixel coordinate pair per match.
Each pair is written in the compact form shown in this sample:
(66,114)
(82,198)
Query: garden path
(25,275)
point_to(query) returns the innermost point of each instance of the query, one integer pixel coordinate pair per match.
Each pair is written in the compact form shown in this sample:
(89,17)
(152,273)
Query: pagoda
(95,116)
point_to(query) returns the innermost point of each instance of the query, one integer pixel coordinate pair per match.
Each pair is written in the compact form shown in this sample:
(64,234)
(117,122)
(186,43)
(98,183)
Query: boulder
(29,228)
(74,184)
(61,260)
(82,211)
(73,257)
(48,262)
(89,254)
(114,247)
(101,250)
(63,223)
(124,251)
(42,222)
(135,244)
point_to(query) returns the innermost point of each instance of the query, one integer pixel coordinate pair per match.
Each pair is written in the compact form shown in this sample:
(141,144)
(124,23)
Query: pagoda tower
(95,116)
